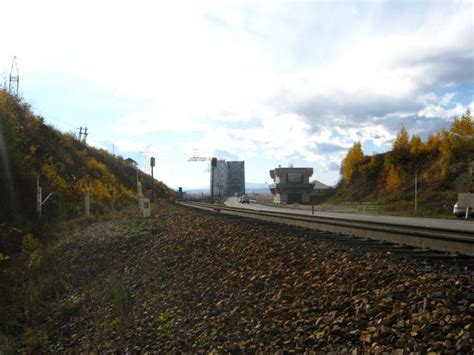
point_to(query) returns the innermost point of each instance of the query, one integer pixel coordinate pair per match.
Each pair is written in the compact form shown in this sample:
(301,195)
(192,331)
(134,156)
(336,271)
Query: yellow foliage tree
(433,143)
(445,145)
(50,171)
(401,142)
(350,164)
(394,180)
(416,145)
(462,133)
(463,126)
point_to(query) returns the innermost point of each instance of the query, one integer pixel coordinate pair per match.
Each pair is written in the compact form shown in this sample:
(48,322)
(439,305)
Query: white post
(146,208)
(39,199)
(87,202)
(467,212)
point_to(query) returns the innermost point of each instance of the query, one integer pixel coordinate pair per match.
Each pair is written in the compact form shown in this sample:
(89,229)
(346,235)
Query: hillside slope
(65,166)
(441,165)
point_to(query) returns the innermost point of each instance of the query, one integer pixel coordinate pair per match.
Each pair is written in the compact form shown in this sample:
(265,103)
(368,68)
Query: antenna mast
(14,79)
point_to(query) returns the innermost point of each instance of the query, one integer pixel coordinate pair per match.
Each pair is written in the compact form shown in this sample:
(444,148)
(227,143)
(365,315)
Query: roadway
(455,225)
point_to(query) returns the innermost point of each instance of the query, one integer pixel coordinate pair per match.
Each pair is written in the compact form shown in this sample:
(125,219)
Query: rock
(228,284)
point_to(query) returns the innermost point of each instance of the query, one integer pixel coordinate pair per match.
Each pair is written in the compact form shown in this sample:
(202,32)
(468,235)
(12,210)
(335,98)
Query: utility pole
(39,198)
(147,153)
(85,135)
(416,191)
(152,165)
(14,79)
(471,176)
(213,165)
(80,133)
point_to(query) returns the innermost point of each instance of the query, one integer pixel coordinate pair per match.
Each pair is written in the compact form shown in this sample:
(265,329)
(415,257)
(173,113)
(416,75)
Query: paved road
(456,225)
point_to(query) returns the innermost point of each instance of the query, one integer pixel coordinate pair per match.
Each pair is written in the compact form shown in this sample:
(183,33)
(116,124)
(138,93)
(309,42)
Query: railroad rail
(422,237)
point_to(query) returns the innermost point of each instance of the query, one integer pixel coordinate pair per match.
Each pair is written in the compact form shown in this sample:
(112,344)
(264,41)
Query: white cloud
(446,99)
(158,121)
(276,79)
(432,111)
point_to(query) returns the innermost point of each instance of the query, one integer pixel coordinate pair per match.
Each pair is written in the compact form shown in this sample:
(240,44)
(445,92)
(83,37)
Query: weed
(119,295)
(115,322)
(36,259)
(177,248)
(34,339)
(164,329)
(35,290)
(69,306)
(30,243)
(200,340)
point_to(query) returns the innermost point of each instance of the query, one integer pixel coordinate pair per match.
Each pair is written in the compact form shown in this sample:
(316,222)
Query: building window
(295,178)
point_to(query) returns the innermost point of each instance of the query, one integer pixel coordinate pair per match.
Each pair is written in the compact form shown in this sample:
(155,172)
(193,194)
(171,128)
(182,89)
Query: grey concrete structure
(235,178)
(220,179)
(229,178)
(291,185)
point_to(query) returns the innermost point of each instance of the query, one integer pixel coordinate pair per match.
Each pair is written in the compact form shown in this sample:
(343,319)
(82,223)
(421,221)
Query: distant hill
(249,187)
(441,164)
(256,187)
(65,166)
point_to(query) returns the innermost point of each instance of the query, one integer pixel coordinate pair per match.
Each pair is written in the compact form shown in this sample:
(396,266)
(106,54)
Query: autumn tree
(432,144)
(401,146)
(416,145)
(350,164)
(394,179)
(401,141)
(371,167)
(462,134)
(463,126)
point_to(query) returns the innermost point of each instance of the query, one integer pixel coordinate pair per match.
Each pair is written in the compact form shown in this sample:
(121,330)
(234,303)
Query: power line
(49,117)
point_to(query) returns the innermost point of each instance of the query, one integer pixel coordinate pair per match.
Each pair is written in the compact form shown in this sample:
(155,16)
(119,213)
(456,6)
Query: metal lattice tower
(14,79)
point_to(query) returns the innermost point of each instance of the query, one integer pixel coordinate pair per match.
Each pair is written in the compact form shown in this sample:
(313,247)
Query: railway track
(376,234)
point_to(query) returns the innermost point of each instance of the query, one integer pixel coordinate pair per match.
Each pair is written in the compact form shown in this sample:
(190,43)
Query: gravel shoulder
(190,281)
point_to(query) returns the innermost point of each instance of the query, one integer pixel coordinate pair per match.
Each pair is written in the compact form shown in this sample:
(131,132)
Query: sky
(269,82)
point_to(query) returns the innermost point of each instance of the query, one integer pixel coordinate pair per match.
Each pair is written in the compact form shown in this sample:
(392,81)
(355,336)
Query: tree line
(434,160)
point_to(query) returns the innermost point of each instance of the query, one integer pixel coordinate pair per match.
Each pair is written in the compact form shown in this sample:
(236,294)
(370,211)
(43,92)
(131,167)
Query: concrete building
(229,178)
(220,179)
(235,178)
(291,185)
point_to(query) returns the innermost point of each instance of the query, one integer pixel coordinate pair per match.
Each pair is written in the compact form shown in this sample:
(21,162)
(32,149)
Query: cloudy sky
(269,82)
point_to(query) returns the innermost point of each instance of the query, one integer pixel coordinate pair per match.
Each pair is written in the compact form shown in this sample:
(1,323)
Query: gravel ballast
(196,282)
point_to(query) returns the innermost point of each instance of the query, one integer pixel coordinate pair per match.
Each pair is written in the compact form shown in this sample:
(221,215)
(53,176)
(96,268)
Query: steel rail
(440,239)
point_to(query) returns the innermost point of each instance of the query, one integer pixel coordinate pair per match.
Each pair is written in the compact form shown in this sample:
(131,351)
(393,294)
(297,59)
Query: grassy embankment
(30,149)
